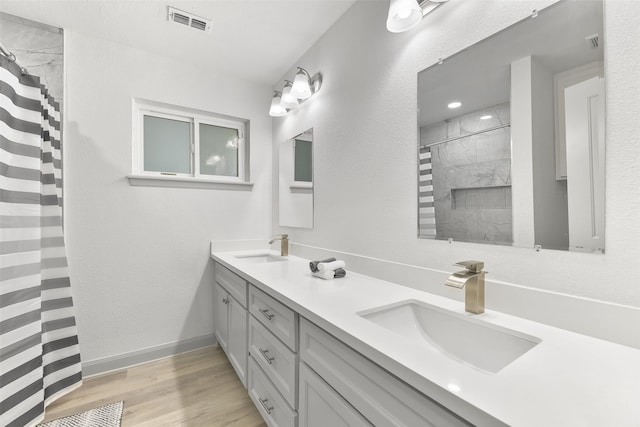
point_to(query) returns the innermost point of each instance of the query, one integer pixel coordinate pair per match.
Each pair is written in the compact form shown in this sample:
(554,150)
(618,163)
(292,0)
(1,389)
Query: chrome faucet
(284,244)
(473,278)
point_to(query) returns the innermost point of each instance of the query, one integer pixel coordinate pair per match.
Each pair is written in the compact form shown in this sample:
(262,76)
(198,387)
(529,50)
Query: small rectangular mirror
(295,181)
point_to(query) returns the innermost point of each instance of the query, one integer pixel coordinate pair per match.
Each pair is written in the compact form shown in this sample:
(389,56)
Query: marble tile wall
(472,176)
(38,48)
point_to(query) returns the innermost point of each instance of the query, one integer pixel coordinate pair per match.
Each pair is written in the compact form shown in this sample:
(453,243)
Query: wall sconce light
(294,92)
(277,110)
(406,14)
(288,100)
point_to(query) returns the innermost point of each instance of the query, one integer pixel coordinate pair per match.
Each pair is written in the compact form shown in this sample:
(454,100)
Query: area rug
(105,416)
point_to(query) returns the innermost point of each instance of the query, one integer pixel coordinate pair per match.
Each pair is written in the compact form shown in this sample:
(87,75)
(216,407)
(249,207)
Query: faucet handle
(284,236)
(472,266)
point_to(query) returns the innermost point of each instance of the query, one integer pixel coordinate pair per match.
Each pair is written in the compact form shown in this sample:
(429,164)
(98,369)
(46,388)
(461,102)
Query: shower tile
(458,152)
(493,145)
(433,133)
(497,225)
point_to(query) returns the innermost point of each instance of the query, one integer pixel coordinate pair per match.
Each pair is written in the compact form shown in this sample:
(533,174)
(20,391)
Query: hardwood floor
(198,388)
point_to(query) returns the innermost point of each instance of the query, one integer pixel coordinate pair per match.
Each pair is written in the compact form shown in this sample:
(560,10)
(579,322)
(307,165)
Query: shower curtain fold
(39,351)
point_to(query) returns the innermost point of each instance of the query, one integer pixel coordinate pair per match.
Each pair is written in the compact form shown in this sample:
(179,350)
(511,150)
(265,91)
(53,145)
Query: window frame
(229,124)
(142,108)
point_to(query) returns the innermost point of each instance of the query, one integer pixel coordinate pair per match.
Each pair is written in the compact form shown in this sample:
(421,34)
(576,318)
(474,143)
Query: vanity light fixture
(487,117)
(403,15)
(277,110)
(301,88)
(288,100)
(455,104)
(294,93)
(406,14)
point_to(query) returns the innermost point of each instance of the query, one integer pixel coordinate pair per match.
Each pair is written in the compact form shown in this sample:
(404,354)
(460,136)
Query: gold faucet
(284,244)
(473,278)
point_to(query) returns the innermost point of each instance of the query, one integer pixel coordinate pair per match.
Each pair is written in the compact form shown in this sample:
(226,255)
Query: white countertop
(567,379)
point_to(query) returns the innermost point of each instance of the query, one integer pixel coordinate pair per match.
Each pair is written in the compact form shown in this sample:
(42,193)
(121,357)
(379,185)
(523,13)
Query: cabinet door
(381,397)
(237,339)
(221,316)
(322,406)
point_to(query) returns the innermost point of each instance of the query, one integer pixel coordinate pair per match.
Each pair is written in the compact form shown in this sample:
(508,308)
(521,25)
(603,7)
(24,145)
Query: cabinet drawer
(233,283)
(275,316)
(276,360)
(378,395)
(273,408)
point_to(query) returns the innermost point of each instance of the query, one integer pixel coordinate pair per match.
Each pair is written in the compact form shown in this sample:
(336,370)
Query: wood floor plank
(198,388)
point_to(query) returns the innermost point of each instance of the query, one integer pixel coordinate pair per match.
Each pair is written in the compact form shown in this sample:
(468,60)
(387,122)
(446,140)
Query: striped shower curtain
(426,208)
(39,352)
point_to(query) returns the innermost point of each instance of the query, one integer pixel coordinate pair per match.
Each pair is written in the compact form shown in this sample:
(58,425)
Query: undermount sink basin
(260,258)
(466,339)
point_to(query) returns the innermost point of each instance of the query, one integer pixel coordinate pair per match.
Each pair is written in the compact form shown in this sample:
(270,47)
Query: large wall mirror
(295,182)
(511,145)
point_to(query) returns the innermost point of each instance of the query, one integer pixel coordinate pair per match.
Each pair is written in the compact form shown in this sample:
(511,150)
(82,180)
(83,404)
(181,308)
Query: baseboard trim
(125,360)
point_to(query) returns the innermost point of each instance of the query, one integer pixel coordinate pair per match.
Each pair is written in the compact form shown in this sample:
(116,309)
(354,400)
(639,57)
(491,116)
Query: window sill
(180,182)
(299,185)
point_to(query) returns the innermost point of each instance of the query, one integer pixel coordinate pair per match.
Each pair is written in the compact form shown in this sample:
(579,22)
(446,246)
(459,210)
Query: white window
(177,143)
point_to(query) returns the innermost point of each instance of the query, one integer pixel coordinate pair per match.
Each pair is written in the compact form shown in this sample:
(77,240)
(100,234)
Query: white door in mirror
(584,116)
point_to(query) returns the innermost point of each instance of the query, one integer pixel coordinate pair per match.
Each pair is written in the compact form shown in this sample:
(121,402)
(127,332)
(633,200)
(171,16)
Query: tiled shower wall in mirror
(470,177)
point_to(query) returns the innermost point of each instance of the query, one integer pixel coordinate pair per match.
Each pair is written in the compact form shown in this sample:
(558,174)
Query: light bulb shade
(277,110)
(301,88)
(403,15)
(288,100)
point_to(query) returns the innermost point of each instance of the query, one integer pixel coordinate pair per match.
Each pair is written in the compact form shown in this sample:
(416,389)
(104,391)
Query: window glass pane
(218,150)
(302,170)
(167,145)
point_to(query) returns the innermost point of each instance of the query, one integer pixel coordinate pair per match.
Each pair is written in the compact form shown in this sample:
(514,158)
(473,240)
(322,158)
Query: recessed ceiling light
(487,117)
(455,104)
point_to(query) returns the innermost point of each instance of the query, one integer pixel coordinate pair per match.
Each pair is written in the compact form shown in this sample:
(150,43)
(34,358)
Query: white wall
(139,256)
(550,195)
(522,143)
(364,121)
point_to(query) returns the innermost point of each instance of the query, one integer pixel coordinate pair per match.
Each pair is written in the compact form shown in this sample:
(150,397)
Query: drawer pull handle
(266,356)
(263,402)
(266,313)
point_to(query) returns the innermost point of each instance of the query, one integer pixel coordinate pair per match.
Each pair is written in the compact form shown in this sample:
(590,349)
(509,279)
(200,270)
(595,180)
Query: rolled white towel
(330,266)
(327,275)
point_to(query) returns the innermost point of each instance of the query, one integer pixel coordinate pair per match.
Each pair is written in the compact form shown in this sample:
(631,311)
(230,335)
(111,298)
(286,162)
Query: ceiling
(256,40)
(479,76)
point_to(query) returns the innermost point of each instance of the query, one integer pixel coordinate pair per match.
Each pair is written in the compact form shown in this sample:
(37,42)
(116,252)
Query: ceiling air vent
(189,19)
(593,41)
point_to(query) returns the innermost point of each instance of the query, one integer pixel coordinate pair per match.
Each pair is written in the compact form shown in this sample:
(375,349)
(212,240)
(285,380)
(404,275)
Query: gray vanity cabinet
(273,359)
(221,314)
(378,395)
(298,375)
(321,406)
(231,318)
